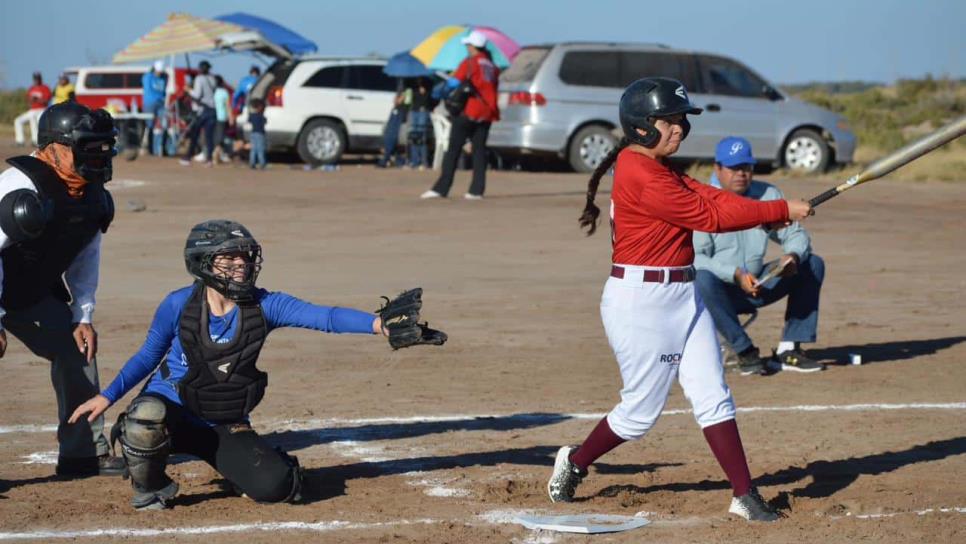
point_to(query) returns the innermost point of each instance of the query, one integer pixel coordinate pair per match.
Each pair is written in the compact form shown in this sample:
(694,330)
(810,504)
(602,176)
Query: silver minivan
(561,99)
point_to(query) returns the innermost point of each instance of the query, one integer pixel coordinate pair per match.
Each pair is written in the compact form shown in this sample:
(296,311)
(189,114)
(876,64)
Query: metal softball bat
(894,160)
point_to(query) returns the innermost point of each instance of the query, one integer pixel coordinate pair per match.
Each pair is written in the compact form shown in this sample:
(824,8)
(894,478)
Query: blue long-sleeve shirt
(243,89)
(153,86)
(163,343)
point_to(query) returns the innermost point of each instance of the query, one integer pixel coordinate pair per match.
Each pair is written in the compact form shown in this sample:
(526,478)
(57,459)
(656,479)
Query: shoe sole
(562,458)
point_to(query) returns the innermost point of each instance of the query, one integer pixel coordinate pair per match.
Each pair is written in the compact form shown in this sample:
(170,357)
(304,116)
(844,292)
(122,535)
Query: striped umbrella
(442,50)
(181,33)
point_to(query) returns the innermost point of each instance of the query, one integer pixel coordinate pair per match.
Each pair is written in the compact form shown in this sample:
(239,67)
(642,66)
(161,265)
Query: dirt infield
(449,444)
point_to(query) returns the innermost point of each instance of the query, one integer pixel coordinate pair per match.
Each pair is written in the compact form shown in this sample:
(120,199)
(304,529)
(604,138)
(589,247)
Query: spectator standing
(38,95)
(480,112)
(64,90)
(202,96)
(257,136)
(419,124)
(224,118)
(244,89)
(390,137)
(154,88)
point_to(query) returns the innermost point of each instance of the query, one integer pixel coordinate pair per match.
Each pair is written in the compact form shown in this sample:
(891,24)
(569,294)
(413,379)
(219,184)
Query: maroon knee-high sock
(726,445)
(600,441)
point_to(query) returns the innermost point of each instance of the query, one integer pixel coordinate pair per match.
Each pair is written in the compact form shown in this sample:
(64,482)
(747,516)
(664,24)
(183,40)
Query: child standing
(419,125)
(257,136)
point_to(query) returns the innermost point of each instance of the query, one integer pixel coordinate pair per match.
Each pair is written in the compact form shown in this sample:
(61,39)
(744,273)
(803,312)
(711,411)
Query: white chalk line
(302,526)
(953,510)
(296,424)
(496,517)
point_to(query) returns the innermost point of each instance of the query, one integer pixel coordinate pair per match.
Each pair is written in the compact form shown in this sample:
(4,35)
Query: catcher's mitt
(400,317)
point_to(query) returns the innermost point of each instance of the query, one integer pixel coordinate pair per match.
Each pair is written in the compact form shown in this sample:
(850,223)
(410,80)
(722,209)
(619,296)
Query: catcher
(201,352)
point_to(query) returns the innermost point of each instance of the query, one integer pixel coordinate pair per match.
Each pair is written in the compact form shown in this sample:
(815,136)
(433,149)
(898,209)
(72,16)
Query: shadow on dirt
(827,477)
(886,351)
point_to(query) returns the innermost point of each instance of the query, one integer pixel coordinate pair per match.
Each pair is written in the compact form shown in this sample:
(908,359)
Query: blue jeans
(726,301)
(205,122)
(390,138)
(418,138)
(159,126)
(257,153)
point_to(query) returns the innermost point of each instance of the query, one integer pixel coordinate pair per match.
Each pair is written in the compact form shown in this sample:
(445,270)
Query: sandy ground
(449,444)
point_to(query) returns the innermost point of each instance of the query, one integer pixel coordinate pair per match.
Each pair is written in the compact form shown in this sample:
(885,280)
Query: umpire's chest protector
(34,265)
(222,384)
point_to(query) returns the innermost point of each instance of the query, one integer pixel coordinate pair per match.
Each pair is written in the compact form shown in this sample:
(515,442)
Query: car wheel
(806,151)
(321,142)
(589,147)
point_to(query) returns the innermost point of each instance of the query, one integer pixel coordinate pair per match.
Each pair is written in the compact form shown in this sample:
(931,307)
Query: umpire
(53,210)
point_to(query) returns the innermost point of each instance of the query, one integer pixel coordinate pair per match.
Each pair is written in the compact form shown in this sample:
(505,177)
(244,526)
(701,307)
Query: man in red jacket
(474,123)
(38,96)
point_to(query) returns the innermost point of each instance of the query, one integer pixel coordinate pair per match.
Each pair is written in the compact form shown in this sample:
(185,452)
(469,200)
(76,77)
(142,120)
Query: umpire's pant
(46,329)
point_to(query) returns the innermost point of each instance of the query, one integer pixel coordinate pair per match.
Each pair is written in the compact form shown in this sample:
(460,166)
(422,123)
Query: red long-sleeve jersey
(654,210)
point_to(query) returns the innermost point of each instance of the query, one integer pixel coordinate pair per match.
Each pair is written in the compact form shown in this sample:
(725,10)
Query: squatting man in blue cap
(729,266)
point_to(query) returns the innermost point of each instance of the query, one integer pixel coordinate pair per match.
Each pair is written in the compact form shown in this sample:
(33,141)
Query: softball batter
(655,320)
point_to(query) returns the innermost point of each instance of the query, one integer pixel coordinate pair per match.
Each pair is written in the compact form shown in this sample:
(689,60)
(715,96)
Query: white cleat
(753,507)
(565,478)
(471,196)
(430,194)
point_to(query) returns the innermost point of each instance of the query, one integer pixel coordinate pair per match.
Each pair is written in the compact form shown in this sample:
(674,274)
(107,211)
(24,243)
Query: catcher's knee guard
(145,443)
(278,485)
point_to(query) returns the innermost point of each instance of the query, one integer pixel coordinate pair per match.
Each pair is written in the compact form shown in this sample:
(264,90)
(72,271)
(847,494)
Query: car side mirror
(770,93)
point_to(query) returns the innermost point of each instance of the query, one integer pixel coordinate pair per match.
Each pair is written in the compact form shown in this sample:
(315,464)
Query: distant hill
(886,117)
(831,87)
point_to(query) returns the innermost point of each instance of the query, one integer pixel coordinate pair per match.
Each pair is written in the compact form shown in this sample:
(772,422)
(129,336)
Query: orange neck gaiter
(61,159)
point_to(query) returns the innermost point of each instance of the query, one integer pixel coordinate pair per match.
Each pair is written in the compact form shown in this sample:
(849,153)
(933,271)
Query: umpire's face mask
(94,149)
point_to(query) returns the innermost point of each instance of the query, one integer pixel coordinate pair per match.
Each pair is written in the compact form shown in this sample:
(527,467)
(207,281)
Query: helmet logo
(736,147)
(680,92)
(237,233)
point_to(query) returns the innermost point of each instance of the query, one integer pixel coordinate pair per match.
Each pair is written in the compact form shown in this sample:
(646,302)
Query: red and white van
(118,88)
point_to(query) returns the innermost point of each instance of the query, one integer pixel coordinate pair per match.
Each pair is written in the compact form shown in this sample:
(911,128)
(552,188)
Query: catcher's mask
(221,237)
(90,134)
(652,98)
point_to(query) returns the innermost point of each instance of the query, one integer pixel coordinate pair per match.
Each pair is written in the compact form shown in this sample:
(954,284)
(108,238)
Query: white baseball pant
(659,332)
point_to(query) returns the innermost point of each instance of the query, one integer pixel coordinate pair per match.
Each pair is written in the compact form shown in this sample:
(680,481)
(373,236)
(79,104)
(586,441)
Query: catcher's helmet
(219,237)
(90,135)
(652,98)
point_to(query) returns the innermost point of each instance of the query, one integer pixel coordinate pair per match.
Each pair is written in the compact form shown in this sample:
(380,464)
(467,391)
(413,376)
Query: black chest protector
(33,266)
(222,384)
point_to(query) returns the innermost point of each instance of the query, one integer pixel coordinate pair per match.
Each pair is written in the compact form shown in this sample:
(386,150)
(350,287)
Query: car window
(370,77)
(638,64)
(525,65)
(331,77)
(112,80)
(723,76)
(591,68)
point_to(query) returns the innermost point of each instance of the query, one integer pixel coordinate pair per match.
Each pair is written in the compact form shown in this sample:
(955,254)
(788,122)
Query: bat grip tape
(823,197)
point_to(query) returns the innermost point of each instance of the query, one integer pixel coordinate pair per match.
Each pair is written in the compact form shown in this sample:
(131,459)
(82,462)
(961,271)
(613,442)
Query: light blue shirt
(221,104)
(723,253)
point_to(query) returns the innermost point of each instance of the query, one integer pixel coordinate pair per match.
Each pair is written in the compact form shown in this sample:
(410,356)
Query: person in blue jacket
(244,89)
(200,354)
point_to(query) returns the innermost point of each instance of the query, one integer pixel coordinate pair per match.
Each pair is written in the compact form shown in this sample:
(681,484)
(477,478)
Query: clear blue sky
(787,42)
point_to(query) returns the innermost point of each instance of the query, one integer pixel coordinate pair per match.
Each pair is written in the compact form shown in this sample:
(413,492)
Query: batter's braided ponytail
(591,212)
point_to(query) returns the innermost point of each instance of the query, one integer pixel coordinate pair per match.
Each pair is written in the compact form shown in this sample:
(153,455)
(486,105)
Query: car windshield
(525,65)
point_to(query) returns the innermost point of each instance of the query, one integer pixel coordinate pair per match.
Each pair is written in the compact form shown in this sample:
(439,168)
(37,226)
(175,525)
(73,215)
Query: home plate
(583,523)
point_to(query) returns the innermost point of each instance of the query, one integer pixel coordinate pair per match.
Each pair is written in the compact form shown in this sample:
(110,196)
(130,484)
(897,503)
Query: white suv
(322,107)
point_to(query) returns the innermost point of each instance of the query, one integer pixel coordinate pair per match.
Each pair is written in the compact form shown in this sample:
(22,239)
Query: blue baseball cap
(732,151)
